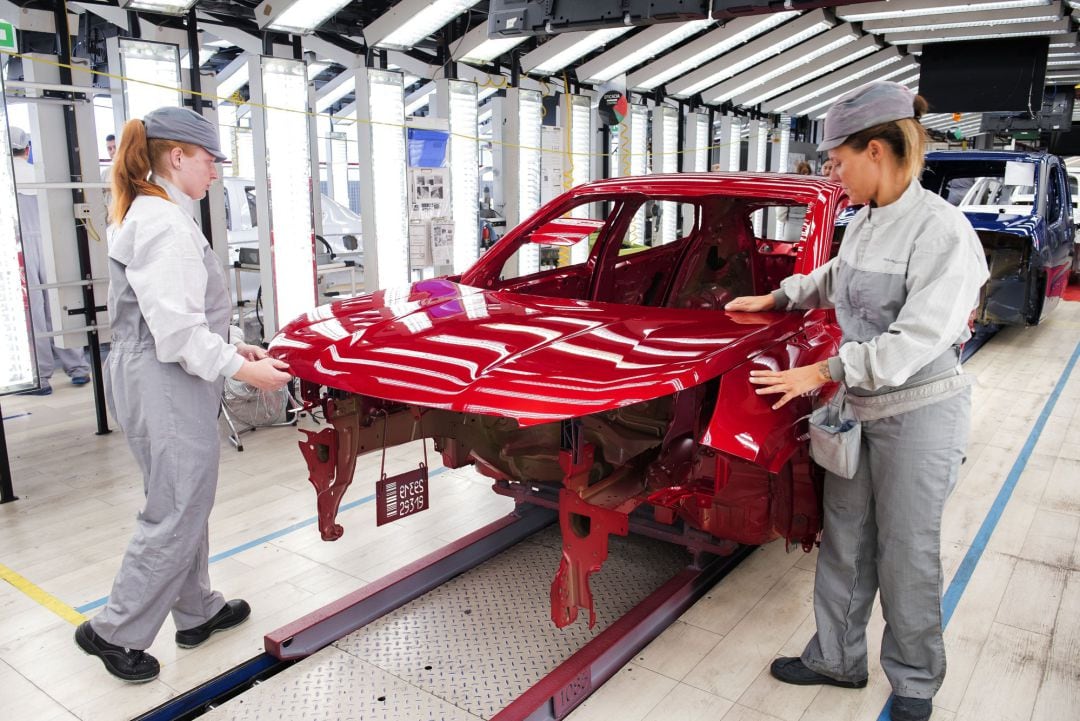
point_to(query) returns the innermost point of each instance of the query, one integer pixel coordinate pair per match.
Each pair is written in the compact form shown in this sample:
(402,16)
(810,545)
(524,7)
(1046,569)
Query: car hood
(535,359)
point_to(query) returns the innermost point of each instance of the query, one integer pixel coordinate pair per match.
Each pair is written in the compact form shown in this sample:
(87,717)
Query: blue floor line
(967,567)
(17,415)
(264,539)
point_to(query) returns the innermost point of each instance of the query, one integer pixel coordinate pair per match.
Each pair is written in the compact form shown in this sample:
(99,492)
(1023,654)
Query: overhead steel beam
(1055,27)
(990,18)
(889,72)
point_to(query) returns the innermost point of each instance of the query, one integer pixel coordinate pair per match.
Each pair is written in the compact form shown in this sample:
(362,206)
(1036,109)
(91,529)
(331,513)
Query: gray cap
(186,126)
(19,138)
(864,107)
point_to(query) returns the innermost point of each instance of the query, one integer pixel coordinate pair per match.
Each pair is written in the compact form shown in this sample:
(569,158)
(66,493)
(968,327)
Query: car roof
(758,185)
(998,155)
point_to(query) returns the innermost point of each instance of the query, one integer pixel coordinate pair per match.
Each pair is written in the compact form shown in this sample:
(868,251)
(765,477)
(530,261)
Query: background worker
(72,360)
(792,217)
(169,310)
(903,286)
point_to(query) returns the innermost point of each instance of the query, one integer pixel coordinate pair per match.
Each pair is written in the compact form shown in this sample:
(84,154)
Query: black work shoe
(233,613)
(911,709)
(792,670)
(128,664)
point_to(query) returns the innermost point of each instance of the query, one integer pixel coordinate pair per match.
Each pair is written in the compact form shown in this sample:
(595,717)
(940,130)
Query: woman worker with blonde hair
(903,286)
(169,309)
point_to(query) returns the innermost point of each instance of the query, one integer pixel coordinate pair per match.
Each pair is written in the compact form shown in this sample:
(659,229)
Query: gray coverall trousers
(170,419)
(882,532)
(72,360)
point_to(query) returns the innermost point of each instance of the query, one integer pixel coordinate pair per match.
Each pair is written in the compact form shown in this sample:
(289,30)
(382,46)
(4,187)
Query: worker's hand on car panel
(267,374)
(251,352)
(791,383)
(751,303)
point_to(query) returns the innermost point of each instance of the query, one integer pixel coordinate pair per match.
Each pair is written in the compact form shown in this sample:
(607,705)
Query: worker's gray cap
(19,138)
(864,107)
(186,126)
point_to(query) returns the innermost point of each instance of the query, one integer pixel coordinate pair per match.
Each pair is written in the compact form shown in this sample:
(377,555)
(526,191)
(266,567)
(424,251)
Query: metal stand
(90,308)
(7,492)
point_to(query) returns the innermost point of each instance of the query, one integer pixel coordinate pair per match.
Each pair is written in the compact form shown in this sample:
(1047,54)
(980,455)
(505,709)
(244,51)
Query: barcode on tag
(391,499)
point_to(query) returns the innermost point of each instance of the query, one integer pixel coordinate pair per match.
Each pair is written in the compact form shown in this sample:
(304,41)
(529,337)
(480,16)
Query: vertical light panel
(785,144)
(756,154)
(637,152)
(150,75)
(287,242)
(523,137)
(665,147)
(384,212)
(580,119)
(18,371)
(735,144)
(696,151)
(336,152)
(462,113)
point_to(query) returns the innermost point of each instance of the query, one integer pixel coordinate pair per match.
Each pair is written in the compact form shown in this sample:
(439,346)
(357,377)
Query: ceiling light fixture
(751,54)
(694,54)
(165,7)
(298,17)
(807,52)
(886,10)
(642,47)
(410,21)
(560,51)
(799,76)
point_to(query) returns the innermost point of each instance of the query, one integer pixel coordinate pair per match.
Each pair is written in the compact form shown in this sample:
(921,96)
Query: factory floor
(1013,641)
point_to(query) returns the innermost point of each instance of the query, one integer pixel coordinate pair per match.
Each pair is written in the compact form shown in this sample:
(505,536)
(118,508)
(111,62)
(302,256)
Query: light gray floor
(1013,644)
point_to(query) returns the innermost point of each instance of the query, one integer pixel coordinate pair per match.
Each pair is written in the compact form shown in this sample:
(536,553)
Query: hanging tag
(402,495)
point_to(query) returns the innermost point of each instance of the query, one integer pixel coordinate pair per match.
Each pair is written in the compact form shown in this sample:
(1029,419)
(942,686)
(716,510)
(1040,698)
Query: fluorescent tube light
(635,51)
(564,49)
(915,8)
(964,20)
(804,93)
(299,17)
(410,21)
(820,65)
(165,7)
(980,33)
(478,49)
(750,55)
(808,52)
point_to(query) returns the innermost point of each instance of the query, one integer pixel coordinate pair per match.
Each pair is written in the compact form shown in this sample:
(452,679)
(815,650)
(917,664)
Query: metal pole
(90,308)
(197,104)
(7,492)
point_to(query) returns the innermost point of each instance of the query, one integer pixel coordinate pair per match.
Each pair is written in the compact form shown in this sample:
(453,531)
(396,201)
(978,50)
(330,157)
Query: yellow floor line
(41,597)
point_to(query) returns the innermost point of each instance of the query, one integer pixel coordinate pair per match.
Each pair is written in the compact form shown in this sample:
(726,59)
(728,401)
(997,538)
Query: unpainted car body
(613,387)
(1020,205)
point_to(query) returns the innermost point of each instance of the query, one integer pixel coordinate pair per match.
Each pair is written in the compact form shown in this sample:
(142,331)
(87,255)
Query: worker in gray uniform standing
(47,353)
(169,309)
(903,286)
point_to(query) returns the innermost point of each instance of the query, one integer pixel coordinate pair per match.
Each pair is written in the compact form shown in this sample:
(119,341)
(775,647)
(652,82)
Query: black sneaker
(792,670)
(232,614)
(128,664)
(910,709)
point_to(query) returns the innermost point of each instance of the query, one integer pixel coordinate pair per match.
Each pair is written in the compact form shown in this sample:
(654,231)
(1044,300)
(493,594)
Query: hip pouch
(836,436)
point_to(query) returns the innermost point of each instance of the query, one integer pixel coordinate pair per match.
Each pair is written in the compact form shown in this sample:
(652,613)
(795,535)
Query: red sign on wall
(402,495)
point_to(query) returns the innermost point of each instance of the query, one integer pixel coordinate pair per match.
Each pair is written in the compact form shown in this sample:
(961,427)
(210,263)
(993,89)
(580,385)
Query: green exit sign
(7,36)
